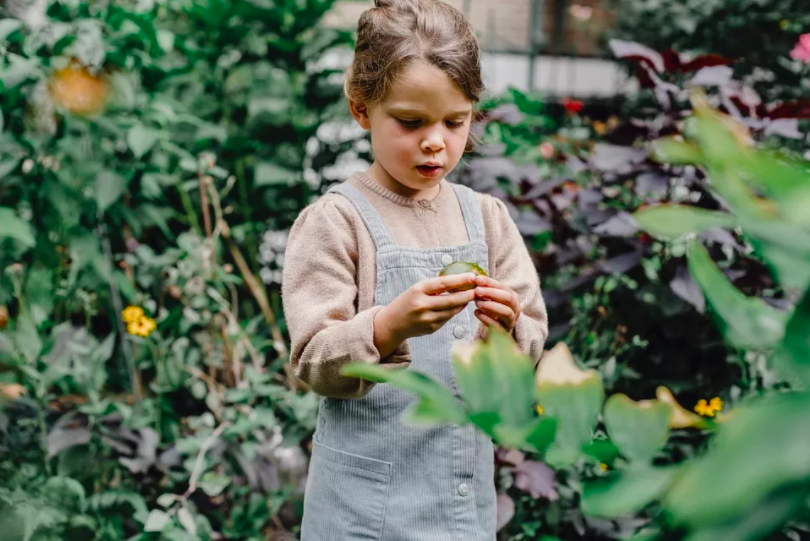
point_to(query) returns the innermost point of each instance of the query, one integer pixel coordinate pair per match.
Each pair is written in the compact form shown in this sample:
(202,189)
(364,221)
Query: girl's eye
(410,124)
(453,124)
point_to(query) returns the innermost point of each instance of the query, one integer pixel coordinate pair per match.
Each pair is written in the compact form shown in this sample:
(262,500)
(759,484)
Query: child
(361,283)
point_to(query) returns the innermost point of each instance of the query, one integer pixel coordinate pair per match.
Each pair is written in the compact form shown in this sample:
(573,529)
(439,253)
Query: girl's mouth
(429,171)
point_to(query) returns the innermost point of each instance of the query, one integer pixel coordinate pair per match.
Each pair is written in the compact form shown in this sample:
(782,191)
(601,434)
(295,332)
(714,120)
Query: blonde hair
(397,33)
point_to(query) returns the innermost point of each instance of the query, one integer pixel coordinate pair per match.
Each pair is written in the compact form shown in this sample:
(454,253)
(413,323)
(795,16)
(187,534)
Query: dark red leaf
(792,109)
(706,61)
(672,60)
(644,78)
(636,52)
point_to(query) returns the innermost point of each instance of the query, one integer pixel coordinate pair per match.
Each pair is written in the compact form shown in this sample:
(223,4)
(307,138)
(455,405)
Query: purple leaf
(575,164)
(542,188)
(616,158)
(589,198)
(537,479)
(712,76)
(513,457)
(786,127)
(636,51)
(686,288)
(529,223)
(620,264)
(62,438)
(792,109)
(505,510)
(722,236)
(621,225)
(651,181)
(508,113)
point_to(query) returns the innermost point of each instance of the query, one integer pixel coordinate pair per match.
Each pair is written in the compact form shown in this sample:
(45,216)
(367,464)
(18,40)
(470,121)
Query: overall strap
(471,210)
(376,226)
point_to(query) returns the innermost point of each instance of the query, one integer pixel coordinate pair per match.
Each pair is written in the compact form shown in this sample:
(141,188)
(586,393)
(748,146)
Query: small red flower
(801,51)
(572,106)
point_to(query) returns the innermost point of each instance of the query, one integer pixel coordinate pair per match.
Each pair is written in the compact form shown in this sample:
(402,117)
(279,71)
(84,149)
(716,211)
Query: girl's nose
(433,142)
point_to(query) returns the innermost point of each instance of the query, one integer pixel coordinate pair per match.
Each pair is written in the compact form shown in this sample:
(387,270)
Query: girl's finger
(496,310)
(499,295)
(486,320)
(435,286)
(451,300)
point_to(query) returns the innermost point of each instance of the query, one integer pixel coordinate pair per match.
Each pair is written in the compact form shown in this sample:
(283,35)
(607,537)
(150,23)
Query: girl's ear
(360,114)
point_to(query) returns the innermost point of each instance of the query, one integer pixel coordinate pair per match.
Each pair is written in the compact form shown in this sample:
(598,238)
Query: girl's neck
(381,177)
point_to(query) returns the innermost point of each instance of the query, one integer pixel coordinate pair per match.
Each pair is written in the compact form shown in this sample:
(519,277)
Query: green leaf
(110,187)
(605,451)
(785,249)
(745,322)
(638,429)
(670,150)
(673,221)
(436,405)
(8,166)
(496,379)
(156,521)
(270,174)
(141,139)
(213,484)
(186,520)
(625,492)
(13,227)
(793,357)
(758,522)
(573,397)
(760,449)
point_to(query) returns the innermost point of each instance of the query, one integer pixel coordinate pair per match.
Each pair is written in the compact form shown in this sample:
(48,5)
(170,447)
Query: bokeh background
(154,154)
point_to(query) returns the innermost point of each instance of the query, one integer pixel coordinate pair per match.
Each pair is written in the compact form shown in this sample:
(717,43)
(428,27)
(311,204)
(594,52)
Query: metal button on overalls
(375,477)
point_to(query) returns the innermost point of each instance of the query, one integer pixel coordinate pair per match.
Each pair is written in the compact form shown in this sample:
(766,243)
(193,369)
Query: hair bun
(384,3)
(395,4)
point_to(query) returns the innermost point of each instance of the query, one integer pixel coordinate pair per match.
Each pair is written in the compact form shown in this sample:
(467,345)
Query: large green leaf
(496,379)
(744,321)
(435,403)
(639,429)
(760,449)
(672,221)
(624,492)
(13,227)
(141,139)
(269,173)
(793,357)
(110,187)
(758,522)
(573,397)
(785,249)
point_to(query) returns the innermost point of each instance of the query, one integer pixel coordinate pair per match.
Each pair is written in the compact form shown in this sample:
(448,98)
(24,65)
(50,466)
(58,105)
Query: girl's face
(418,132)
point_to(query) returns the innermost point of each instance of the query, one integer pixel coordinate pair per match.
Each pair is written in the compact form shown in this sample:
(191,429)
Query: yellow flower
(783,24)
(600,127)
(709,409)
(540,409)
(132,313)
(603,466)
(142,326)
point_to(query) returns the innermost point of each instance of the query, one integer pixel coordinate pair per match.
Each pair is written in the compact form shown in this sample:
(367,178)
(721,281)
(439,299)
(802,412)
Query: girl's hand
(421,309)
(497,304)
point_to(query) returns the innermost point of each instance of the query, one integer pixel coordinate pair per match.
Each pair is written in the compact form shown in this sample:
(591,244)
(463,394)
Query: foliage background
(214,124)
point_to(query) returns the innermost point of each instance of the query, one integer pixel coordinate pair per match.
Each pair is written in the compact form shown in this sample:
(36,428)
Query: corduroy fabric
(372,477)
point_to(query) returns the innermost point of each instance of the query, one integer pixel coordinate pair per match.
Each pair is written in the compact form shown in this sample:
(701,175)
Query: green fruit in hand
(462,267)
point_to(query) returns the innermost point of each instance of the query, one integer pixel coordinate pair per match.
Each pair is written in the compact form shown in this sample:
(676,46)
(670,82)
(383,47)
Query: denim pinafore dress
(372,477)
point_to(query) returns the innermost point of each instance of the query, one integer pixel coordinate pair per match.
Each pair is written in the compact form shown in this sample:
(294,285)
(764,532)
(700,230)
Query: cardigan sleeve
(511,264)
(320,299)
